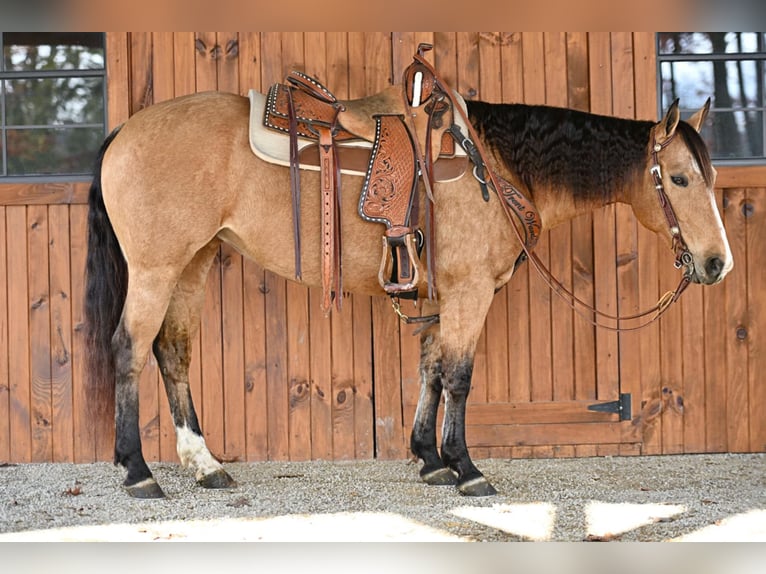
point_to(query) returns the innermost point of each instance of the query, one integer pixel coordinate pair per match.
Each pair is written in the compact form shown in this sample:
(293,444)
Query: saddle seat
(357,124)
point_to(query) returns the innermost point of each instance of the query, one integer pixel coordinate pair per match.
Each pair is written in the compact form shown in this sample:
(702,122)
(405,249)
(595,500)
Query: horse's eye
(679,180)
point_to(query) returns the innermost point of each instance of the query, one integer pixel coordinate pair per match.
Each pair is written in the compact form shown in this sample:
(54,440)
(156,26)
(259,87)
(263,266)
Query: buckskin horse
(161,204)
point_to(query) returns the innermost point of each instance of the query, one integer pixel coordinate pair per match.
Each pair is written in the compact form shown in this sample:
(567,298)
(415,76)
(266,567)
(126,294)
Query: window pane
(692,82)
(735,135)
(54,101)
(710,42)
(24,51)
(729,83)
(52,150)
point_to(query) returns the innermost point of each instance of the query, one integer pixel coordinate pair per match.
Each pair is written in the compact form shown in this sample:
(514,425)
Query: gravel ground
(651,498)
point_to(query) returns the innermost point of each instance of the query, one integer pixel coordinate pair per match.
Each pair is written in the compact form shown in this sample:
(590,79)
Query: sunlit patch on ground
(531,521)
(605,520)
(746,527)
(341,527)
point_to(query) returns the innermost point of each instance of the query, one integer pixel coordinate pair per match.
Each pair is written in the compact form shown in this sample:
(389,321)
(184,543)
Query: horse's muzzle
(714,270)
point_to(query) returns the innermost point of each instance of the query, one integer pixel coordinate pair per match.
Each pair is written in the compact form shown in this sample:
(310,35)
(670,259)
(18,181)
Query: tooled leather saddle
(395,138)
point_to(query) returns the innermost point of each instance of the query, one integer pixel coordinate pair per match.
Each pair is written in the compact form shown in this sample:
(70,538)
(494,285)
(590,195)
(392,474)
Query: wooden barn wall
(274,379)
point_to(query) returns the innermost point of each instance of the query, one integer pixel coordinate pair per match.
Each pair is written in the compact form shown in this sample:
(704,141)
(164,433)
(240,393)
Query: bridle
(684,257)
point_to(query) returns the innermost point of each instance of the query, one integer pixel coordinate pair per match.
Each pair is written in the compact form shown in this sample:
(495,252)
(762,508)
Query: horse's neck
(559,206)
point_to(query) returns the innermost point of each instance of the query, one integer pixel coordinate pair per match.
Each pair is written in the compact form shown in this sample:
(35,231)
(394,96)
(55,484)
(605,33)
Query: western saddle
(413,129)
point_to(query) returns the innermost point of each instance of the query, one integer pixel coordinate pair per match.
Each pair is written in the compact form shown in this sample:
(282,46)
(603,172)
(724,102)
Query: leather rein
(683,259)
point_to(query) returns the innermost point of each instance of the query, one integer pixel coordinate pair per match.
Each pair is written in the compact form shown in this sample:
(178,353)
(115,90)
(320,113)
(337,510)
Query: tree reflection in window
(52,102)
(728,67)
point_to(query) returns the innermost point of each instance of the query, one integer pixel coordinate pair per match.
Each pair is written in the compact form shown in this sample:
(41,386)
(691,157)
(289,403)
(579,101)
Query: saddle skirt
(273,146)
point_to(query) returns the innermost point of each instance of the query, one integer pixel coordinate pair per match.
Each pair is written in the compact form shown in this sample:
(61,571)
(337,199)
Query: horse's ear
(667,127)
(698,119)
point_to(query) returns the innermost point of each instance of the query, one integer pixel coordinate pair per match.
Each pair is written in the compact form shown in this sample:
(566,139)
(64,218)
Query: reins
(683,256)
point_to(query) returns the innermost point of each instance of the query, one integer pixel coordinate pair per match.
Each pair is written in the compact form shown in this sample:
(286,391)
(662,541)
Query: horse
(161,204)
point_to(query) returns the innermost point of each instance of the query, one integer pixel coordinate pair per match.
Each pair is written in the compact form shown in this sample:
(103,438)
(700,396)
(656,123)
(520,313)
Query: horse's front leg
(423,439)
(461,323)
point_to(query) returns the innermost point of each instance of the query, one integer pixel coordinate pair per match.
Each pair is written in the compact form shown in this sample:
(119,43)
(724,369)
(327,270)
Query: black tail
(106,281)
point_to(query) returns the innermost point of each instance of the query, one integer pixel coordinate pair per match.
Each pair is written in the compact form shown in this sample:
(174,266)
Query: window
(52,104)
(729,68)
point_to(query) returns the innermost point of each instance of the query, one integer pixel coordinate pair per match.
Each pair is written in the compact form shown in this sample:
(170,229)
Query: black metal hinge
(622,407)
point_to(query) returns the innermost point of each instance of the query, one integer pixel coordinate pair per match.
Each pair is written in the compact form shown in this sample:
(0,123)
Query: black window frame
(43,74)
(758,56)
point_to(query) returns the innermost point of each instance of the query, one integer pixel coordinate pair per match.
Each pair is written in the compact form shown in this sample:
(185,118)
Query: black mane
(590,155)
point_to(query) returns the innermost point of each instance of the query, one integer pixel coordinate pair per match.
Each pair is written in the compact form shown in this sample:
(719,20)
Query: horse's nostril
(713,267)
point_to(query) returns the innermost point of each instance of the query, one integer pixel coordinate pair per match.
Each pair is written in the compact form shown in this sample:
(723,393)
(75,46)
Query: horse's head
(677,198)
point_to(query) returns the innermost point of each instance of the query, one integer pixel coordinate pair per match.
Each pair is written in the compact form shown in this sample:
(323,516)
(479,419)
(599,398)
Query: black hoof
(439,477)
(218,479)
(147,488)
(478,486)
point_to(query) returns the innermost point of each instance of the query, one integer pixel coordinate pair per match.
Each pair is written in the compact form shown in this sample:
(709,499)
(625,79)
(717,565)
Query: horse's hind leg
(147,298)
(172,347)
(423,438)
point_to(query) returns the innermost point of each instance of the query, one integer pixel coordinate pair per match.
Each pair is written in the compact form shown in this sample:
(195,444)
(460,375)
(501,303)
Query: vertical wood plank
(298,371)
(39,333)
(387,377)
(232,309)
(756,255)
(61,333)
(321,379)
(276,368)
(184,77)
(84,435)
(256,389)
(364,425)
(18,329)
(737,349)
(671,366)
(5,404)
(715,336)
(249,62)
(343,387)
(117,78)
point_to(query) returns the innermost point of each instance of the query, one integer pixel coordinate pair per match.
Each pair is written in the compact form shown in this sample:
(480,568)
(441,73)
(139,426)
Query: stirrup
(399,266)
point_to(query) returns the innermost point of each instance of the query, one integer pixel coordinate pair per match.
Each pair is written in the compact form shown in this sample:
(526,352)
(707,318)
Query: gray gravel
(651,498)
